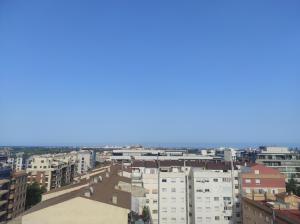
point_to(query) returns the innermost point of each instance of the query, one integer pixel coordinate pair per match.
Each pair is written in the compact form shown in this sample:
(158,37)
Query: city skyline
(149,72)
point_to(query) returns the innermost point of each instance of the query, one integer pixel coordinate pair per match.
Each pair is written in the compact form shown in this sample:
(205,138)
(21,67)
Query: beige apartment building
(17,195)
(51,171)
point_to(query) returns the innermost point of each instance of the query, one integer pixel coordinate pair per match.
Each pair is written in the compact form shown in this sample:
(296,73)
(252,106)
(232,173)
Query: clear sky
(155,72)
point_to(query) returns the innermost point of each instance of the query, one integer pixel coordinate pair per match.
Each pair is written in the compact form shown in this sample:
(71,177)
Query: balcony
(3,202)
(136,176)
(2,213)
(2,192)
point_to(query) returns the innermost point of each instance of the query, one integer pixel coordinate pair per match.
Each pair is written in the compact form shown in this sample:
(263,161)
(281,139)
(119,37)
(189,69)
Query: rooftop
(209,165)
(102,191)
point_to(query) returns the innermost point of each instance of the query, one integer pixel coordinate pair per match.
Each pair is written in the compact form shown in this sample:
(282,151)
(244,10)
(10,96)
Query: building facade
(259,182)
(5,176)
(17,194)
(281,158)
(189,191)
(268,212)
(51,171)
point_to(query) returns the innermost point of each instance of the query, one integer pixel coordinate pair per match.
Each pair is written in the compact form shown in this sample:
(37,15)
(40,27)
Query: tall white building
(189,191)
(214,196)
(172,196)
(85,160)
(230,154)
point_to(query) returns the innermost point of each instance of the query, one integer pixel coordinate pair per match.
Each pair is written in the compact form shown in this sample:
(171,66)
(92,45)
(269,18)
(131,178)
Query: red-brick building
(259,182)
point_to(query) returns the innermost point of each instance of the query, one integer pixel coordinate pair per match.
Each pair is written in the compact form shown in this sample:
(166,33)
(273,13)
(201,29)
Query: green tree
(34,194)
(291,186)
(145,214)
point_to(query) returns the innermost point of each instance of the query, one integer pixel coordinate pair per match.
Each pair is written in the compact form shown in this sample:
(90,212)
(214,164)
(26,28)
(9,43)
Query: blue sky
(149,72)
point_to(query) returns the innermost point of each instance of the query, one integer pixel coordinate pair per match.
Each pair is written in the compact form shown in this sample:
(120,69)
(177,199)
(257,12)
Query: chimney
(87,193)
(114,199)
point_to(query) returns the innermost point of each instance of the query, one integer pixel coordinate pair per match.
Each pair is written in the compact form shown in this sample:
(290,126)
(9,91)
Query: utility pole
(158,190)
(233,194)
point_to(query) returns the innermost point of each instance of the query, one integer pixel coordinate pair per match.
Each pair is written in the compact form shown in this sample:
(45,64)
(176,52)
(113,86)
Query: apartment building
(189,191)
(17,161)
(17,194)
(283,210)
(85,160)
(214,196)
(5,175)
(281,158)
(51,171)
(259,182)
(172,203)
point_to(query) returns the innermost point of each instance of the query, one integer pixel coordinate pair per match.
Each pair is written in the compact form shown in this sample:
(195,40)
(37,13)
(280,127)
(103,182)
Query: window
(147,201)
(154,211)
(208,219)
(248,190)
(256,171)
(164,189)
(216,198)
(257,181)
(173,180)
(206,190)
(164,180)
(199,190)
(164,210)
(247,181)
(173,189)
(199,199)
(217,218)
(173,210)
(226,179)
(217,208)
(154,201)
(215,180)
(207,199)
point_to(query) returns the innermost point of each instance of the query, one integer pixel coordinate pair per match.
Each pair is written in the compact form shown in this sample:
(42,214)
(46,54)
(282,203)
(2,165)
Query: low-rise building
(259,182)
(98,198)
(284,210)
